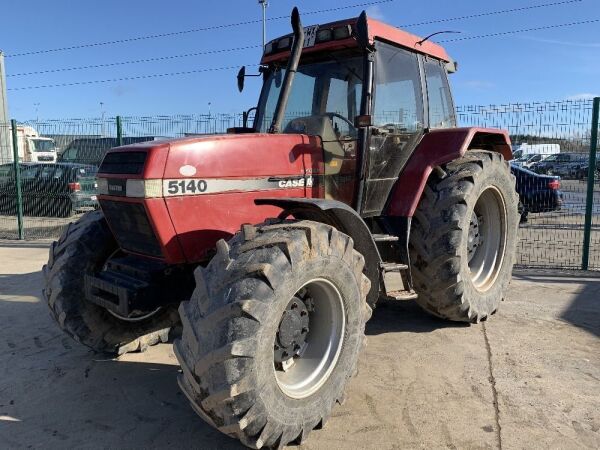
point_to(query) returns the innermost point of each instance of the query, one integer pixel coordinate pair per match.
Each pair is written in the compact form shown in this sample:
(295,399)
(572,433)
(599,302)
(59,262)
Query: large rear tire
(463,237)
(273,331)
(84,248)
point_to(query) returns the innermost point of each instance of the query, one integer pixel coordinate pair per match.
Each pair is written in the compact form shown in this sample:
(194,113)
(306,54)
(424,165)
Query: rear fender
(343,218)
(436,148)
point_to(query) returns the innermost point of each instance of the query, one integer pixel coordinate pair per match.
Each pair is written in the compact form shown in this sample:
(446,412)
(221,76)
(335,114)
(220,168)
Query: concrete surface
(527,378)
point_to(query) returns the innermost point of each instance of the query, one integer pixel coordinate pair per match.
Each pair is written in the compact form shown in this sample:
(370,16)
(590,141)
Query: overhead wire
(249,22)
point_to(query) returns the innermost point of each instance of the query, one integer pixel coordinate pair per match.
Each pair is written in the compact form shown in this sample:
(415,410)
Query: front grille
(130,163)
(131,227)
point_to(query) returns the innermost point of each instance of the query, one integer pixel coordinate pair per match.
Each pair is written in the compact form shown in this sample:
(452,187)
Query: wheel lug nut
(294,305)
(285,354)
(303,313)
(276,347)
(304,330)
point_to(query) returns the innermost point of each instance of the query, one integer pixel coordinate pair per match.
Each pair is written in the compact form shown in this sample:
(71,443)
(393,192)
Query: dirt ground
(527,378)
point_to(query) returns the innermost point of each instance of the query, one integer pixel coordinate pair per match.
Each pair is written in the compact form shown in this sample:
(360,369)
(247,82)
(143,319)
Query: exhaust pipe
(292,67)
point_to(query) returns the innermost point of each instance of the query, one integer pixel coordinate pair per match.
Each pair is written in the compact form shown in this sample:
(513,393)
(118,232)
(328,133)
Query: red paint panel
(438,147)
(201,220)
(377,30)
(241,155)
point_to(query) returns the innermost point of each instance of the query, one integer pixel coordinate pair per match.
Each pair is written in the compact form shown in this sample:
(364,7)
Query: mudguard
(438,147)
(343,218)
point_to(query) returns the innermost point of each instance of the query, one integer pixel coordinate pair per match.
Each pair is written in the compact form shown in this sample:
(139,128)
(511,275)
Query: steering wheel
(331,115)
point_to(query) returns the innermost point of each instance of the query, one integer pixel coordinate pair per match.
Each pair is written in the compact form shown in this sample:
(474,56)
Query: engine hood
(216,156)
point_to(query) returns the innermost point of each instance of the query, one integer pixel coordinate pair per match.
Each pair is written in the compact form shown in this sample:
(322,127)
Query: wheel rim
(309,338)
(487,238)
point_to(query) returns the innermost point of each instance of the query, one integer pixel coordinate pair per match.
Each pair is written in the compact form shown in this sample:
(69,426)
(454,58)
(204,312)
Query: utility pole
(264,4)
(102,119)
(5,147)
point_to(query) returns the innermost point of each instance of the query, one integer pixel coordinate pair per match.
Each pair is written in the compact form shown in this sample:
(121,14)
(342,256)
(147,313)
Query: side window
(441,109)
(398,102)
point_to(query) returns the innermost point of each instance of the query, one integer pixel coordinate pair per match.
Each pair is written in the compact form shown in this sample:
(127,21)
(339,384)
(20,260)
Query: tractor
(263,251)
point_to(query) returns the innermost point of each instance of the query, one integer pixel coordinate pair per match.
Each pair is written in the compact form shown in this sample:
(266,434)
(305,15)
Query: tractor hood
(212,162)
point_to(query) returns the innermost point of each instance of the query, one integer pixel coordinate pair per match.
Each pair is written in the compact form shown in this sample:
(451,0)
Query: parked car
(559,164)
(579,171)
(92,150)
(528,160)
(50,190)
(537,193)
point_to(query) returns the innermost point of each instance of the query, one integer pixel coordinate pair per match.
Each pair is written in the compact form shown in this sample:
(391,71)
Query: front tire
(275,299)
(84,248)
(463,237)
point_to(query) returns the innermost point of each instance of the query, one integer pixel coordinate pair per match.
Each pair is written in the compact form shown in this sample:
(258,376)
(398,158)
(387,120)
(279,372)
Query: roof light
(284,43)
(342,32)
(324,35)
(269,47)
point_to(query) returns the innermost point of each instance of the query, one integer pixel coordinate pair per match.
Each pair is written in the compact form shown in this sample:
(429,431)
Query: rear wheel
(273,331)
(84,247)
(463,237)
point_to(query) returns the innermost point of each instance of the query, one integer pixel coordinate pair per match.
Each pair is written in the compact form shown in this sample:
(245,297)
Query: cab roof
(377,31)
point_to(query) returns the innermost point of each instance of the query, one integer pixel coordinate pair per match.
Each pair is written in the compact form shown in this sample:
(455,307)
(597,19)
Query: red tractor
(353,168)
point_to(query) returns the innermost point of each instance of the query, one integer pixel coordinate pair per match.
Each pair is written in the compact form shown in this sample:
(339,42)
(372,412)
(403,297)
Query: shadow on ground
(393,316)
(584,311)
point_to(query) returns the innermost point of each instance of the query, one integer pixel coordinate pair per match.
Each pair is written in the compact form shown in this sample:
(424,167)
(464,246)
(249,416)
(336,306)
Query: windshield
(43,145)
(330,88)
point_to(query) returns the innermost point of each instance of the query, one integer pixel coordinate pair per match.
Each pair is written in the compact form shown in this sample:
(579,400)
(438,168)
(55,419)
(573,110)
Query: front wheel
(273,331)
(463,237)
(84,247)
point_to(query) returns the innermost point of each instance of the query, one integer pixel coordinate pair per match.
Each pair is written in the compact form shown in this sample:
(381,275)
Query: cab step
(392,267)
(402,295)
(385,238)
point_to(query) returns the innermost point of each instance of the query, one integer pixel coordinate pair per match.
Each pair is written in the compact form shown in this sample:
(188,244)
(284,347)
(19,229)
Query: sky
(543,65)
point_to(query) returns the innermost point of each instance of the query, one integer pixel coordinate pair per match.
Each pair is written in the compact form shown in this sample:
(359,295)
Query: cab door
(398,121)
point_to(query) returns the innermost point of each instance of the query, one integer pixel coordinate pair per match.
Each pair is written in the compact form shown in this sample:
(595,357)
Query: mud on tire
(229,326)
(83,248)
(439,243)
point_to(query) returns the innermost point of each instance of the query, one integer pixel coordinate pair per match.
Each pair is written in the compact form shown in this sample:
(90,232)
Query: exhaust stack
(292,67)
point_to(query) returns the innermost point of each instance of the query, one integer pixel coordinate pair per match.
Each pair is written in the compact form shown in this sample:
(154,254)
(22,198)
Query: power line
(136,61)
(187,72)
(250,22)
(162,58)
(138,77)
(490,13)
(194,30)
(525,30)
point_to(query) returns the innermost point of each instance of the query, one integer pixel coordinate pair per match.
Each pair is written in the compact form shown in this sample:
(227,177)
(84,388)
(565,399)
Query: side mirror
(240,78)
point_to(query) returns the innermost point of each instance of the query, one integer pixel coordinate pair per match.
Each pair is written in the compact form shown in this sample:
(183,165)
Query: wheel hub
(293,329)
(475,238)
(309,338)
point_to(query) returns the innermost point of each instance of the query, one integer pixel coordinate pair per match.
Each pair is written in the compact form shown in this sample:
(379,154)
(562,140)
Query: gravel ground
(527,378)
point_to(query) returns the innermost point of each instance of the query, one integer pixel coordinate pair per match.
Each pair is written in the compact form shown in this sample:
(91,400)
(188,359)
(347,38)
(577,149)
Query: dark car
(92,150)
(537,193)
(50,190)
(559,164)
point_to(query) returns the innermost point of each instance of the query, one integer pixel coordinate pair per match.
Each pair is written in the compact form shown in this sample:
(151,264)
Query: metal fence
(555,232)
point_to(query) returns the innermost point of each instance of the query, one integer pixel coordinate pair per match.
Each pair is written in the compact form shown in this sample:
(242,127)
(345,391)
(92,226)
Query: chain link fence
(58,160)
(550,139)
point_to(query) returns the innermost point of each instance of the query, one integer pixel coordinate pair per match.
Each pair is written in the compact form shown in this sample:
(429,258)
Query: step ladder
(391,267)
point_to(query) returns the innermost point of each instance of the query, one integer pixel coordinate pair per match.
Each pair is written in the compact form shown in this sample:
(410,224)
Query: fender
(343,218)
(438,147)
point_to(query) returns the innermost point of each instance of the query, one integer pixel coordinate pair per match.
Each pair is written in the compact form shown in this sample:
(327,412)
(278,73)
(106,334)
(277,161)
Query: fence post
(119,131)
(589,201)
(17,168)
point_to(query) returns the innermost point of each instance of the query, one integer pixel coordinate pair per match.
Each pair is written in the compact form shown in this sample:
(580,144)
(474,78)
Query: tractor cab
(369,91)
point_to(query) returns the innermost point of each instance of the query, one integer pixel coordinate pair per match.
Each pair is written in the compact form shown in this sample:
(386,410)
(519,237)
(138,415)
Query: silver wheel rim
(310,367)
(487,238)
